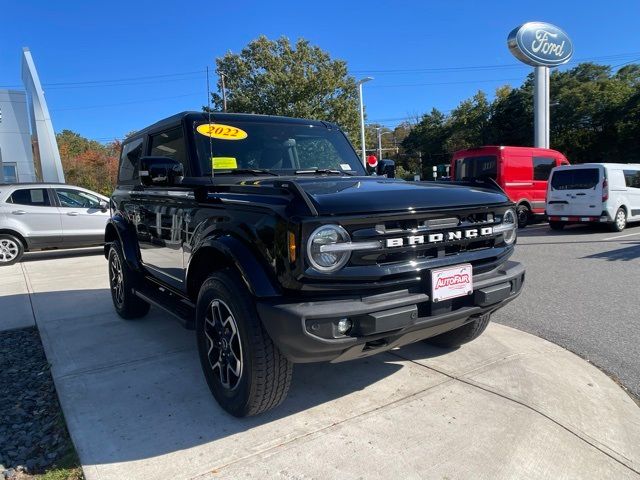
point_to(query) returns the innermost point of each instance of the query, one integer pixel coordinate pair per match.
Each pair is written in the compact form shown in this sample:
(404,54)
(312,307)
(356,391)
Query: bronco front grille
(419,229)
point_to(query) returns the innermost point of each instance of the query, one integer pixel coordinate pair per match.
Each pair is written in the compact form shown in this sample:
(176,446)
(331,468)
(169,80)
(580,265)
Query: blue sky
(91,55)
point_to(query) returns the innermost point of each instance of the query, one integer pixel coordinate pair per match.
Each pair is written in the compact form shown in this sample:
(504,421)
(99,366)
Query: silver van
(594,192)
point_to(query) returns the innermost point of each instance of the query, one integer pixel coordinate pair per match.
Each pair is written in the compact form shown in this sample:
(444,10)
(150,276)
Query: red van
(522,172)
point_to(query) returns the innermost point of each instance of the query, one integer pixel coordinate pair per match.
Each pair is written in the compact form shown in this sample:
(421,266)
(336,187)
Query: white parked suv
(47,215)
(594,192)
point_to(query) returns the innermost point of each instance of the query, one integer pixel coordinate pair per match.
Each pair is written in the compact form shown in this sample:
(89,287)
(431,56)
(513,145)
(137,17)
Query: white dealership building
(28,148)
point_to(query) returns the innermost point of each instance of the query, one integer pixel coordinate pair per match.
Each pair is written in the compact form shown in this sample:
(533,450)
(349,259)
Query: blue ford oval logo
(540,44)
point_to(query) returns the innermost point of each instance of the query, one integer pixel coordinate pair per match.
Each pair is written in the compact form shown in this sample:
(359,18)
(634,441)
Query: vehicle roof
(603,164)
(41,184)
(225,117)
(493,148)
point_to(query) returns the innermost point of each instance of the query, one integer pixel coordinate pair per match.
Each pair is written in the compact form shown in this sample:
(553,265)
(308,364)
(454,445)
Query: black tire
(524,215)
(122,281)
(556,225)
(245,371)
(464,334)
(619,221)
(11,249)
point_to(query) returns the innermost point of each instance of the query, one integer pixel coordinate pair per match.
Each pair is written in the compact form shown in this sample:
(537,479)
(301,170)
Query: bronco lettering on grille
(440,237)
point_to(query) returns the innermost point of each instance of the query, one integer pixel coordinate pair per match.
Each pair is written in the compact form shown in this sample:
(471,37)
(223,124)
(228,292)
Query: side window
(170,144)
(542,167)
(131,153)
(632,178)
(36,197)
(72,198)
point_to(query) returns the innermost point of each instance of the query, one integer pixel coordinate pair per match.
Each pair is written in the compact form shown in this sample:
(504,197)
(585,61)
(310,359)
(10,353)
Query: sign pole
(541,107)
(542,46)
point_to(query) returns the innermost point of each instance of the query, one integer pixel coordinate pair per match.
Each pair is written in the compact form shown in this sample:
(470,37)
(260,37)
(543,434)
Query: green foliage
(595,116)
(277,78)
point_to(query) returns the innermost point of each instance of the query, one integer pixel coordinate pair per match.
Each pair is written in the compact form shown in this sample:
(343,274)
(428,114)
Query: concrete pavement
(509,405)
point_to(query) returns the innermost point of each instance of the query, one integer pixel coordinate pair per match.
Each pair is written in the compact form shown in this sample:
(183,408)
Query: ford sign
(540,44)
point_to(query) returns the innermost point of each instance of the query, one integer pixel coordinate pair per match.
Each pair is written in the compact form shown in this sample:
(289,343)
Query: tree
(88,163)
(276,78)
(595,117)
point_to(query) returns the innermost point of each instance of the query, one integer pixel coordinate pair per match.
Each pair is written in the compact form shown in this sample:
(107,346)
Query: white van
(594,192)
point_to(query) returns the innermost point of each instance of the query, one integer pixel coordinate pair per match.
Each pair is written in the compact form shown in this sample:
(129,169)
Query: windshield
(477,167)
(575,179)
(282,148)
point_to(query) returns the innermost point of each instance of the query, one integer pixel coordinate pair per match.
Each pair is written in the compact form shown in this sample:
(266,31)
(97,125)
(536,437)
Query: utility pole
(224,93)
(364,148)
(378,129)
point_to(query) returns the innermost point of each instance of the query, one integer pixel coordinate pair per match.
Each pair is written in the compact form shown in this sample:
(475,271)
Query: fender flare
(229,251)
(117,229)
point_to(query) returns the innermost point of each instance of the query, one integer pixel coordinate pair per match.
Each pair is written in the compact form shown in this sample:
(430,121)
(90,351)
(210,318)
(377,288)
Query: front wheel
(620,221)
(11,249)
(464,334)
(122,281)
(244,369)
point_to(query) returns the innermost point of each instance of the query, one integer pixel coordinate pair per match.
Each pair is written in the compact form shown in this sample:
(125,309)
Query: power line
(446,83)
(125,103)
(482,67)
(167,77)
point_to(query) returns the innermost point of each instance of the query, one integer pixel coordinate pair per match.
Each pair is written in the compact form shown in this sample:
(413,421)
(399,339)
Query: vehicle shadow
(545,230)
(624,254)
(62,253)
(134,390)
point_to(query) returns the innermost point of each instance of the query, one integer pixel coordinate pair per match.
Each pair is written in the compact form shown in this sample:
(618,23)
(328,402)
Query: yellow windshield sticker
(221,132)
(223,163)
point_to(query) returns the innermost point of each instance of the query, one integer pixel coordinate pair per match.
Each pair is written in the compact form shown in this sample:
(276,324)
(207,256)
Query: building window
(10,173)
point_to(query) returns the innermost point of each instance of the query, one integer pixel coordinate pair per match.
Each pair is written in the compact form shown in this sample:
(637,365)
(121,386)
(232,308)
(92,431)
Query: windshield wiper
(242,171)
(326,171)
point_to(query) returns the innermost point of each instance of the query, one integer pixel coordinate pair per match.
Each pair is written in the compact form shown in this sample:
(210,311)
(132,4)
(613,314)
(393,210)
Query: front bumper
(306,331)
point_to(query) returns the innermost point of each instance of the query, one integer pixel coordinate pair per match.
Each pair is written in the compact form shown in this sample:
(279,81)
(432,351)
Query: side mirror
(387,168)
(104,206)
(160,171)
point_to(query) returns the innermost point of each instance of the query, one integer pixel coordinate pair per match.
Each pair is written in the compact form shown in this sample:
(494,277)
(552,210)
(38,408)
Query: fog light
(344,325)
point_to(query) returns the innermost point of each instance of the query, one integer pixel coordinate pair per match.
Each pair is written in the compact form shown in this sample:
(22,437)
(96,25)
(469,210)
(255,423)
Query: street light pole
(379,143)
(364,148)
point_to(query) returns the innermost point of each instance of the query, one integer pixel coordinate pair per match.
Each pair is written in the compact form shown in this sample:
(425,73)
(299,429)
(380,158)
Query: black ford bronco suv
(268,237)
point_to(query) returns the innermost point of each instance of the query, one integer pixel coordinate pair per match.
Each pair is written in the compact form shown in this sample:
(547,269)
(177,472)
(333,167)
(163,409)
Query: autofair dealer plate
(451,282)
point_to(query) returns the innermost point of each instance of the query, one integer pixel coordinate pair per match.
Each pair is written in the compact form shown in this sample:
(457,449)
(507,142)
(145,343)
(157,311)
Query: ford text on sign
(540,44)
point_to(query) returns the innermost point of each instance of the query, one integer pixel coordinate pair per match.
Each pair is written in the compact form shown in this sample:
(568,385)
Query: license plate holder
(451,282)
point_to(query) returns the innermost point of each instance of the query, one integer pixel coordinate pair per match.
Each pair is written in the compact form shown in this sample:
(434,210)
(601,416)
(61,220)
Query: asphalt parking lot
(582,294)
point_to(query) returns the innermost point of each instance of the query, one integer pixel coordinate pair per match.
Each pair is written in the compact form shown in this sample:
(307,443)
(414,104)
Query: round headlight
(509,226)
(320,253)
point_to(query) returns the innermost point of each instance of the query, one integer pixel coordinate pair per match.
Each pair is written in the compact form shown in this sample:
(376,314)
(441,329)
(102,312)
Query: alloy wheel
(224,349)
(117,280)
(8,250)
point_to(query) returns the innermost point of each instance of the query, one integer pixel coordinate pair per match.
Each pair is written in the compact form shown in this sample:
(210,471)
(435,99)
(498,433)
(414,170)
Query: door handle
(18,212)
(72,214)
(581,194)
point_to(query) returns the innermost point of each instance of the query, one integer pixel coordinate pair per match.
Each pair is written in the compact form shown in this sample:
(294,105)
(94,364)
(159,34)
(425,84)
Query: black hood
(357,195)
